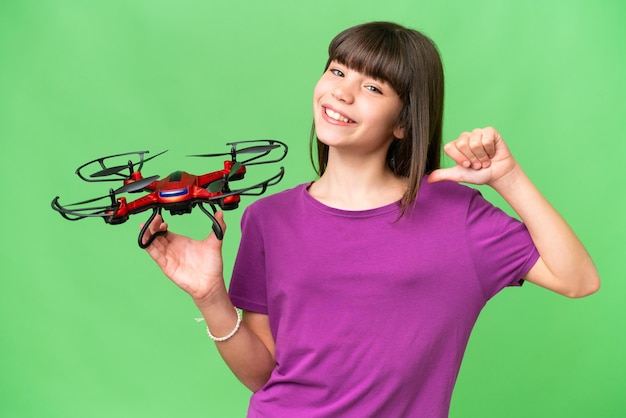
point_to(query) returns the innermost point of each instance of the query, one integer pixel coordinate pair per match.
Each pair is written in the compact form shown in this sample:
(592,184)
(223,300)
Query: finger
(489,141)
(456,173)
(452,150)
(219,217)
(159,246)
(479,144)
(159,229)
(470,145)
(154,225)
(477,148)
(156,229)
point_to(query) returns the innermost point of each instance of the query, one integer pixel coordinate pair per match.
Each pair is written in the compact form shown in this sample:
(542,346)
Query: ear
(398,132)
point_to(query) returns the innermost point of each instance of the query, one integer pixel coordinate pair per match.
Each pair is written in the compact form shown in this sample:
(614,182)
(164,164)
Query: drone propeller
(75,211)
(114,170)
(136,186)
(218,185)
(260,147)
(234,151)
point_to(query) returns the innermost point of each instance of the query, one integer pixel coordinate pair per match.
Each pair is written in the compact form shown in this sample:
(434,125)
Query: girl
(359,290)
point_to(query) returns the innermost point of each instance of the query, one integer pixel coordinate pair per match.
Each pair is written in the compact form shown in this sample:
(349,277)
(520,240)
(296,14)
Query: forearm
(569,269)
(244,353)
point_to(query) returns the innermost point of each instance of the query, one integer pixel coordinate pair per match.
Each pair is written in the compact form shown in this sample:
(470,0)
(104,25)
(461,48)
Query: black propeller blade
(86,201)
(136,185)
(222,154)
(110,170)
(258,148)
(249,150)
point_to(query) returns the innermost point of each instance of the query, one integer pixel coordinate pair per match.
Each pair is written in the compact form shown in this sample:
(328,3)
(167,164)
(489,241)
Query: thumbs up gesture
(481,157)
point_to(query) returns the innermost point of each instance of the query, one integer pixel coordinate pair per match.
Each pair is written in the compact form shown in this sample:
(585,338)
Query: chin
(330,140)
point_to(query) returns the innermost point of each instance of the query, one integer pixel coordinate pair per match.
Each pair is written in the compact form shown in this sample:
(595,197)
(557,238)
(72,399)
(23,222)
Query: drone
(177,193)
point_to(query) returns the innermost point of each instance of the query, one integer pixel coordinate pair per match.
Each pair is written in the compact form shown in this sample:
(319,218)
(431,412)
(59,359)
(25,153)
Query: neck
(357,184)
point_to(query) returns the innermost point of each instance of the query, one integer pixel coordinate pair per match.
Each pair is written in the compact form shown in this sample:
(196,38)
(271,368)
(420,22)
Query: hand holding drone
(177,193)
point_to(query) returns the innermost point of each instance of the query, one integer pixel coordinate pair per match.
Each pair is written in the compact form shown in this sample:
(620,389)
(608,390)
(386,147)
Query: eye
(373,89)
(336,72)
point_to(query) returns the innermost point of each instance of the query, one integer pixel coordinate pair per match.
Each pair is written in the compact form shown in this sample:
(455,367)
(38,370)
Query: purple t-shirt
(371,315)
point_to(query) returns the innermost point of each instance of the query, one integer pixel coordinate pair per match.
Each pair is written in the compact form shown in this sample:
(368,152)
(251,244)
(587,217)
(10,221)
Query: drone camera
(178,208)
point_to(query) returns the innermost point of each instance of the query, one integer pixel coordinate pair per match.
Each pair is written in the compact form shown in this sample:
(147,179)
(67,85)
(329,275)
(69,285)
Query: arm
(196,267)
(564,265)
(250,352)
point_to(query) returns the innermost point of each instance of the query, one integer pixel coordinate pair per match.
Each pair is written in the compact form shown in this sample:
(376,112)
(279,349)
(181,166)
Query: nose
(343,91)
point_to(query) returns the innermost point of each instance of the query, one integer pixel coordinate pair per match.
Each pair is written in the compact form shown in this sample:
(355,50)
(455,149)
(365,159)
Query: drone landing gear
(217,228)
(144,229)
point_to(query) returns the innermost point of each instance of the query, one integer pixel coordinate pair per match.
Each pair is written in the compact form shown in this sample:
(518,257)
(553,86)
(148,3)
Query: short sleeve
(248,288)
(500,245)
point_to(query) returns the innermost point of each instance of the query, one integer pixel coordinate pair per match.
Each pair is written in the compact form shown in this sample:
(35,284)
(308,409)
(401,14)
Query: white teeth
(336,116)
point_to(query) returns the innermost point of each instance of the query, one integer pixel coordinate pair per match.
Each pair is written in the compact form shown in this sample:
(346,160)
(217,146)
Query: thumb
(455,173)
(219,226)
(219,215)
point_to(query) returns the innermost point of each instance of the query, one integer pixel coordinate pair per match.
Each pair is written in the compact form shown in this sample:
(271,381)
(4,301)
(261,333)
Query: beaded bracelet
(226,337)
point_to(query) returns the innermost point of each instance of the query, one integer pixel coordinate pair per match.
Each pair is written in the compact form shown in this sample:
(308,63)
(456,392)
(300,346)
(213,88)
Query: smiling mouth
(337,116)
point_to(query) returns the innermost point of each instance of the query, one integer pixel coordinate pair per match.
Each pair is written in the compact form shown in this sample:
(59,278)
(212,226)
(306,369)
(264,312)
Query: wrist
(509,181)
(214,296)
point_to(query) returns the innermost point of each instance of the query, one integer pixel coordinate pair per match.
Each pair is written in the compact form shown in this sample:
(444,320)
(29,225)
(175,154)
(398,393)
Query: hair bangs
(376,52)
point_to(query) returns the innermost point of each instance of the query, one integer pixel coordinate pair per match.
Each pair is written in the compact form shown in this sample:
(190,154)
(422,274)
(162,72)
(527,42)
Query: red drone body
(178,193)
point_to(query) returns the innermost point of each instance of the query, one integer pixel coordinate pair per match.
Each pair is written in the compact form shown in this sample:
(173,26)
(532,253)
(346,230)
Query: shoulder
(447,187)
(446,193)
(275,202)
(275,215)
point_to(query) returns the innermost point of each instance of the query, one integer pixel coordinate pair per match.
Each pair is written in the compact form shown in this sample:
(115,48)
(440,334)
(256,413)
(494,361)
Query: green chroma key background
(89,327)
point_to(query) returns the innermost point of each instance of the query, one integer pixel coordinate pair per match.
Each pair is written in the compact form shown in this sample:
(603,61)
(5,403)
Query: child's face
(353,110)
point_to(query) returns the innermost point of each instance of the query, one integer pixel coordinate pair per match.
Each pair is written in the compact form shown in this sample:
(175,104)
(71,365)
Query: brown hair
(410,63)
